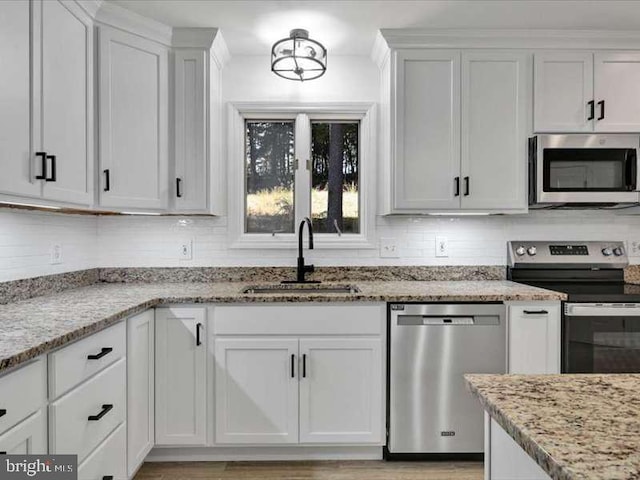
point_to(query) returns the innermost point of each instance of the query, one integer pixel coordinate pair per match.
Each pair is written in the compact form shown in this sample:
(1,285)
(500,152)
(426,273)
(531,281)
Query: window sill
(290,241)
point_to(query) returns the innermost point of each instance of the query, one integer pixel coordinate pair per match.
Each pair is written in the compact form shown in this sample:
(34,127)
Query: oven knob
(520,251)
(607,252)
(532,251)
(618,252)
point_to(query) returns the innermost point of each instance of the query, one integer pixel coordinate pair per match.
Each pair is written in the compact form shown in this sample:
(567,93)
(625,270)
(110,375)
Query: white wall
(26,239)
(155,241)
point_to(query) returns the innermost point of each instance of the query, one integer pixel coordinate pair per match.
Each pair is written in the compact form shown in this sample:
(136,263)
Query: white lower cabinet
(28,437)
(340,387)
(181,376)
(285,376)
(140,389)
(256,390)
(108,460)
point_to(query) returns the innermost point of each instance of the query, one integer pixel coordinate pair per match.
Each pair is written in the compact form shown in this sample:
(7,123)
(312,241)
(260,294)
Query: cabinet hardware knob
(52,178)
(43,160)
(456,183)
(466,186)
(293,366)
(106,408)
(3,412)
(107,477)
(103,352)
(536,312)
(304,365)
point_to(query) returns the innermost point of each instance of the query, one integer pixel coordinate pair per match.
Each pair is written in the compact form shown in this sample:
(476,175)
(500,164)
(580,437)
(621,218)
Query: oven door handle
(602,310)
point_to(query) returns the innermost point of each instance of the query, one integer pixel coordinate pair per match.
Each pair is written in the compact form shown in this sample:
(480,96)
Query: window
(298,163)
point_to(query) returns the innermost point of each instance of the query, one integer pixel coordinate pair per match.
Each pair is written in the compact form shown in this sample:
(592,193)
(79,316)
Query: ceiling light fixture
(298,57)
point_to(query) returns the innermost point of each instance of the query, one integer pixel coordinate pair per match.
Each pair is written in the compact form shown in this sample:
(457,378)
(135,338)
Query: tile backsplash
(26,239)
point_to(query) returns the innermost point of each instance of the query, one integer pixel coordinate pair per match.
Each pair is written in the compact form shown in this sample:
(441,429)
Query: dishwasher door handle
(446,320)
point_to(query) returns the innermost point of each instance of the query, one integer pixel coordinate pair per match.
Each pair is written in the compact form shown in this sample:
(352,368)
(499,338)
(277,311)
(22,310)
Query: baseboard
(237,454)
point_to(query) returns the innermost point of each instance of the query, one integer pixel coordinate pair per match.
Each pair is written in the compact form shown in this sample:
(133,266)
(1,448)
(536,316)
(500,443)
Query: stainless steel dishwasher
(431,347)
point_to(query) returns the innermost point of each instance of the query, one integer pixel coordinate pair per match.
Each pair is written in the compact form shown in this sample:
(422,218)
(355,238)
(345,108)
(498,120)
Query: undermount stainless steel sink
(292,288)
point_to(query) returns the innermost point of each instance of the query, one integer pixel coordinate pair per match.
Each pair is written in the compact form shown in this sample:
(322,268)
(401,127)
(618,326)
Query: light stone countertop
(32,327)
(576,427)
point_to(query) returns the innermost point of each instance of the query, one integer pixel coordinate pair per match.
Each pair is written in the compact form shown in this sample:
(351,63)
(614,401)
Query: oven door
(601,338)
(586,168)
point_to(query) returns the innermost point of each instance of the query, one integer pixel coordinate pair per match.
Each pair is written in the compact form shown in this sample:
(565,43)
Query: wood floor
(334,470)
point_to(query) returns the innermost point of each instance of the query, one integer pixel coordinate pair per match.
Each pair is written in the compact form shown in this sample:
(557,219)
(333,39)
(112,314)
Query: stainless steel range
(601,317)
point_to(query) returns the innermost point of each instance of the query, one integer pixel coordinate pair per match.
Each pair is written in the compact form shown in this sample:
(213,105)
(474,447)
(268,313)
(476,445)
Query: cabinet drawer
(22,392)
(29,437)
(71,365)
(108,460)
(296,319)
(103,398)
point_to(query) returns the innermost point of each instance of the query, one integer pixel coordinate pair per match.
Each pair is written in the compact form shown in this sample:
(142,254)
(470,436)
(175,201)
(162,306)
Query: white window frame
(303,115)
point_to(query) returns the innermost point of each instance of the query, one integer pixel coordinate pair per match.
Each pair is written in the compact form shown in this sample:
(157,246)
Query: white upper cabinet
(18,167)
(46,132)
(191,168)
(494,130)
(617,91)
(66,101)
(133,131)
(427,129)
(586,92)
(563,92)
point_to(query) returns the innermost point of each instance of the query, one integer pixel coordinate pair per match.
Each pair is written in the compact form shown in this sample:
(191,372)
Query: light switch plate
(442,247)
(634,248)
(389,248)
(186,250)
(56,254)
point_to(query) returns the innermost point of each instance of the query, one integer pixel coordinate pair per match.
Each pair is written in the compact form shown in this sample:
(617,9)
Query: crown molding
(219,51)
(380,50)
(118,17)
(510,38)
(186,37)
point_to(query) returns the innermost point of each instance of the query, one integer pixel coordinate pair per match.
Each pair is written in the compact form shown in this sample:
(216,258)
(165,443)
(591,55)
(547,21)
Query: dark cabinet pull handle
(592,109)
(178,189)
(456,182)
(293,366)
(198,340)
(107,477)
(304,365)
(52,178)
(107,180)
(536,312)
(103,352)
(43,159)
(466,186)
(3,412)
(601,105)
(106,408)
(3,453)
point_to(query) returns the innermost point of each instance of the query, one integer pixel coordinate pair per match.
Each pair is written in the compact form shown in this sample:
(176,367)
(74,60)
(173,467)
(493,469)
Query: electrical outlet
(56,254)
(389,248)
(186,250)
(634,248)
(442,247)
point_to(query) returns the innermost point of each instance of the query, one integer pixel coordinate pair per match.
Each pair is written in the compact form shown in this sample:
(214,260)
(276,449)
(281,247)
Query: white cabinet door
(617,96)
(140,389)
(341,390)
(18,168)
(256,390)
(427,129)
(133,121)
(563,92)
(534,338)
(494,130)
(181,377)
(65,107)
(191,172)
(28,437)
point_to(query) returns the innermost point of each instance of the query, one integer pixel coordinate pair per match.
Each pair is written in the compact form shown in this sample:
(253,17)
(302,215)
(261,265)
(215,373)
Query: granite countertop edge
(90,323)
(551,467)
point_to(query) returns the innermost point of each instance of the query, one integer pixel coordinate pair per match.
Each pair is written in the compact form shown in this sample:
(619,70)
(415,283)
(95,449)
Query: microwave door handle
(533,165)
(631,170)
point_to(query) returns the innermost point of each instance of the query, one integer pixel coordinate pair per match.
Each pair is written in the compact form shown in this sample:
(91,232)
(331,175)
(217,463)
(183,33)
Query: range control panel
(567,254)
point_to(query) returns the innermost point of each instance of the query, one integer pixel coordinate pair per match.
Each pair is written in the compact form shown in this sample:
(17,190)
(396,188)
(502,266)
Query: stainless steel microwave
(583,169)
